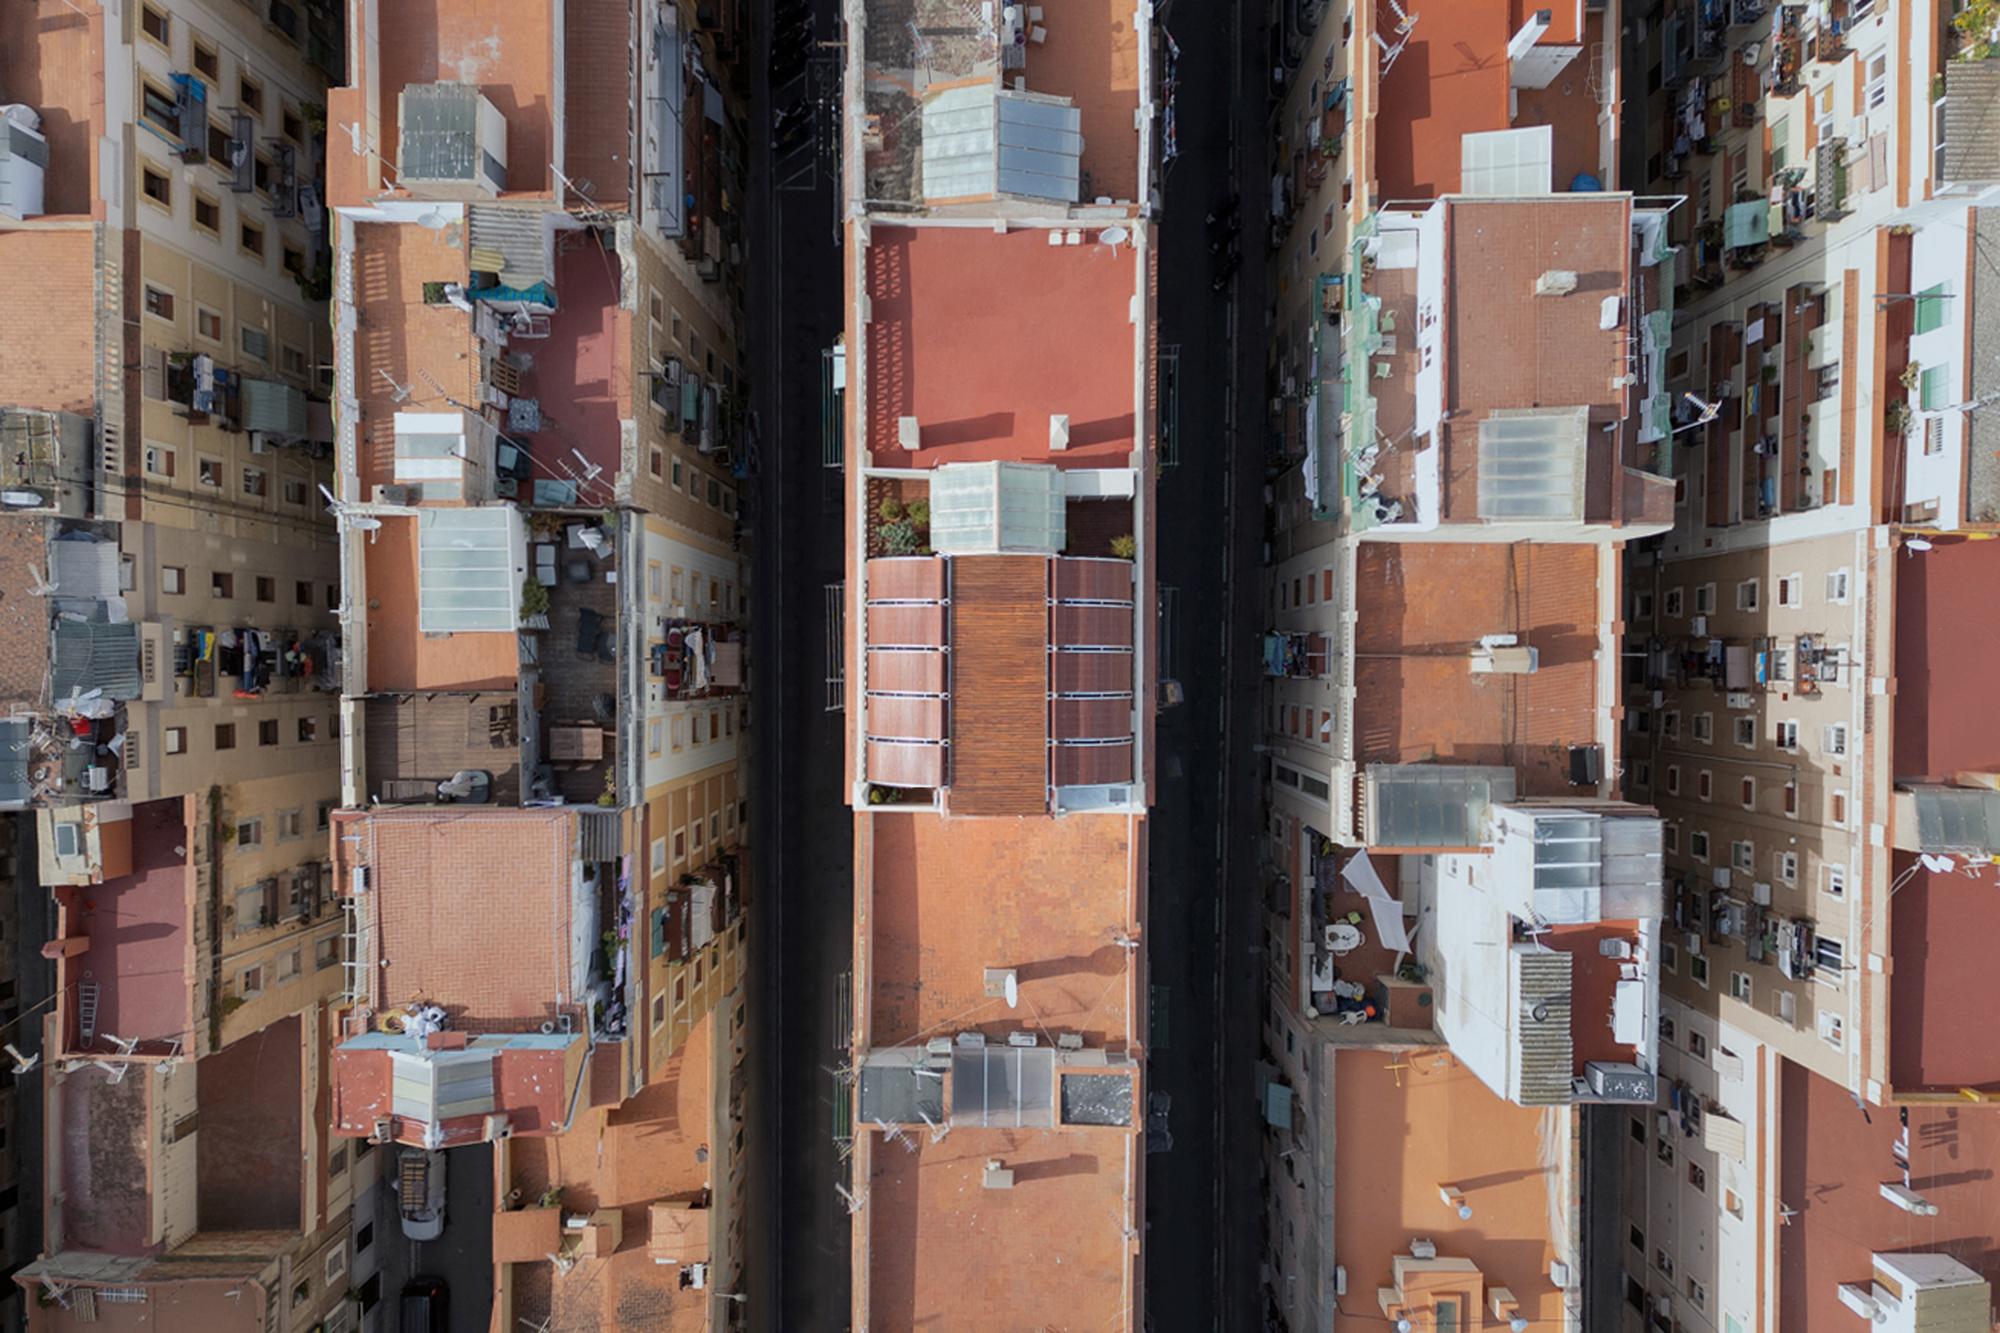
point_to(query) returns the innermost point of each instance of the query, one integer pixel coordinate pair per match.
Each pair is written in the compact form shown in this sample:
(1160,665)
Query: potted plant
(1913,375)
(534,596)
(890,509)
(1898,419)
(1125,547)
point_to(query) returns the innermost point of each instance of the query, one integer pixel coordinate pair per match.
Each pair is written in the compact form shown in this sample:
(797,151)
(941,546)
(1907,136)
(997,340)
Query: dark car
(425,1305)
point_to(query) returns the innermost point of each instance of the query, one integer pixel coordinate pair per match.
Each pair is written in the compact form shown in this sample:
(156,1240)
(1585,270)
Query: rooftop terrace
(53,61)
(945,1253)
(1050,899)
(983,337)
(1408,1124)
(140,953)
(1832,1162)
(1421,610)
(1090,53)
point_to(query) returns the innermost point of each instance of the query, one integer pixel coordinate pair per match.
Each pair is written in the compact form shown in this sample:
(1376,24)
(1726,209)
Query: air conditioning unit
(1621,1083)
(1739,699)
(257,445)
(385,1130)
(1423,1249)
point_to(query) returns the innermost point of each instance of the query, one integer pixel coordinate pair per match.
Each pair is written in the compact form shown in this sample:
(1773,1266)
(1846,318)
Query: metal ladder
(86,996)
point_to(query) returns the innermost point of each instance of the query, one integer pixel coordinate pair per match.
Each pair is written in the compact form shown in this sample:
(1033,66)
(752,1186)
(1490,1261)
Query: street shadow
(1075,1164)
(968,430)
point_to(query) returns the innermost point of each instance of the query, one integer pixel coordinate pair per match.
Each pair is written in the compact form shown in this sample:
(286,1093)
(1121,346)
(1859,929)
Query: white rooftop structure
(980,140)
(995,508)
(470,567)
(1507,163)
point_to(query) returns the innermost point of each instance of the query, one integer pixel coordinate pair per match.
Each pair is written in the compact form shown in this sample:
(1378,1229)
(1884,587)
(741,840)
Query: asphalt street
(802,834)
(1202,1202)
(462,1256)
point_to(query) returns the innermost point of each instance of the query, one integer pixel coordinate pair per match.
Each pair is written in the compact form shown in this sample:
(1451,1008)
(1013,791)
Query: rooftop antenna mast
(855,1202)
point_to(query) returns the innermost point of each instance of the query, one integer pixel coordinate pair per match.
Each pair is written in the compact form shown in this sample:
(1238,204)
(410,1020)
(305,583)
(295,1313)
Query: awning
(1739,670)
(1278,1106)
(1720,1134)
(1746,224)
(274,409)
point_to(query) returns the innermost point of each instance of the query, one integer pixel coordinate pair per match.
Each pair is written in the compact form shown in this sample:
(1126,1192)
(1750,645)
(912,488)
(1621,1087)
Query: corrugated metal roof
(95,656)
(1971,122)
(440,131)
(517,237)
(1956,819)
(980,140)
(85,567)
(1547,1057)
(274,409)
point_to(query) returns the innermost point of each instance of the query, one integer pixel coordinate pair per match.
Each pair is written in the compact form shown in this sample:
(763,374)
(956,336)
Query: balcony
(1830,177)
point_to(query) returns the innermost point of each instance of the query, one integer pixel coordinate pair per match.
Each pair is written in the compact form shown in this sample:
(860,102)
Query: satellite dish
(364,523)
(433,221)
(1013,991)
(1113,236)
(1917,544)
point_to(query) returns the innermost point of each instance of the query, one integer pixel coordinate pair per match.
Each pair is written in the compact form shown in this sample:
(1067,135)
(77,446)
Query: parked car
(419,1186)
(425,1306)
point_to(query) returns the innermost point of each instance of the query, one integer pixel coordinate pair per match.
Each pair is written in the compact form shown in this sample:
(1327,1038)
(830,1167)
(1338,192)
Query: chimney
(1556,282)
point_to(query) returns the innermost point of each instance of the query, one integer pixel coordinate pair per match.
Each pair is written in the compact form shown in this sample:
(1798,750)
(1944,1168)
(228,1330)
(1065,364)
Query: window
(208,217)
(302,592)
(206,63)
(1704,600)
(1788,867)
(1704,727)
(288,966)
(324,816)
(1698,970)
(1746,731)
(1673,779)
(221,583)
(250,94)
(1663,1261)
(1836,809)
(1698,846)
(1877,84)
(1670,724)
(209,472)
(177,740)
(250,833)
(225,735)
(1633,1234)
(267,731)
(656,736)
(291,360)
(218,147)
(159,460)
(1670,838)
(250,982)
(1697,1294)
(1743,855)
(1934,393)
(1791,590)
(159,304)
(308,729)
(1739,986)
(251,237)
(675,478)
(293,258)
(655,462)
(1785,1007)
(1836,587)
(1933,436)
(1834,881)
(1670,958)
(160,106)
(295,494)
(156,186)
(1930,308)
(155,24)
(291,126)
(1642,606)
(267,588)
(1828,956)
(1704,785)
(1697,1045)
(1792,799)
(1831,1030)
(1833,738)
(1786,734)
(1747,593)
(1673,602)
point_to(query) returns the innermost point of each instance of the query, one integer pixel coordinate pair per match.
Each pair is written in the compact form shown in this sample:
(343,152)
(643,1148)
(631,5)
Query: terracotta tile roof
(1421,610)
(1450,81)
(1940,929)
(1507,347)
(448,883)
(50,364)
(428,348)
(403,657)
(54,62)
(597,106)
(1386,1104)
(628,1158)
(952,897)
(944,1252)
(505,46)
(1000,685)
(983,337)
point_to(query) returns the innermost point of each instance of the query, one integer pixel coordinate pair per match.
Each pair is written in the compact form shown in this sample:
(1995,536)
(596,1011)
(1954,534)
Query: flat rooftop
(1941,928)
(48,271)
(401,657)
(1049,898)
(249,1097)
(626,1158)
(1832,1162)
(139,958)
(1421,610)
(24,620)
(53,60)
(107,1165)
(1090,55)
(945,1253)
(1947,717)
(983,337)
(446,884)
(506,47)
(1452,79)
(1407,1123)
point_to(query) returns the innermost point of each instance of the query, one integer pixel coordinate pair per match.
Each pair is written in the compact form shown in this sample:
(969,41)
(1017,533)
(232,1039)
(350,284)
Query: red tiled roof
(446,885)
(983,337)
(49,365)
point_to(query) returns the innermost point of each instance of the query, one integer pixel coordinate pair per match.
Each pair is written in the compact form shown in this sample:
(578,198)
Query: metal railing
(836,647)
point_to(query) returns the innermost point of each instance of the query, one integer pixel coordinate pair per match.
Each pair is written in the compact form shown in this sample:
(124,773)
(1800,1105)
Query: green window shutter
(1930,309)
(1936,387)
